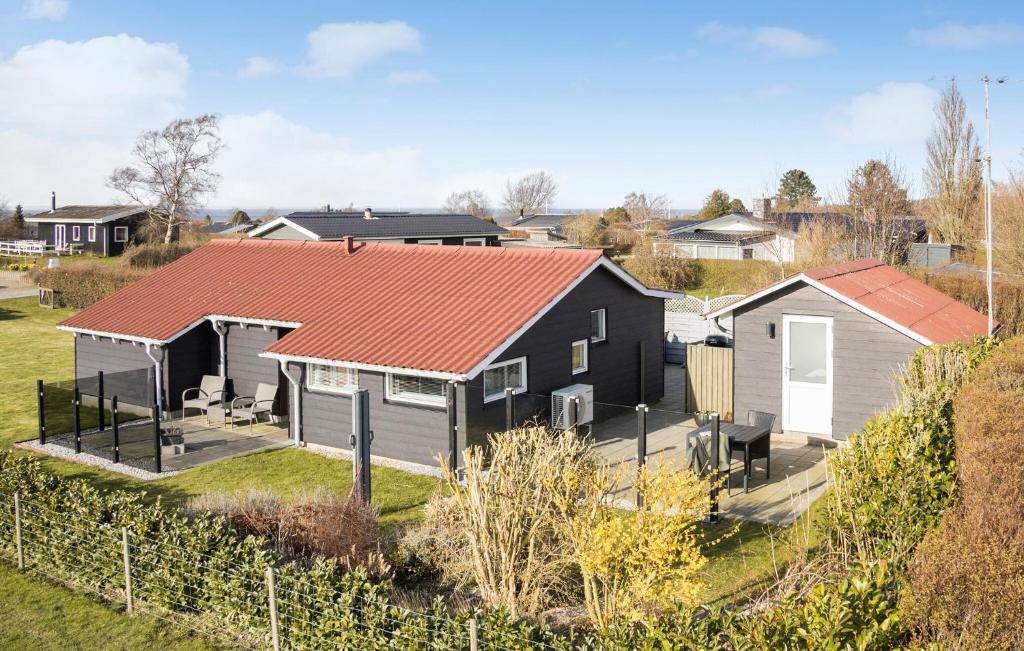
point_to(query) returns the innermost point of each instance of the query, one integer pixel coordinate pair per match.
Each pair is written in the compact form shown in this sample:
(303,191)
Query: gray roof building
(410,228)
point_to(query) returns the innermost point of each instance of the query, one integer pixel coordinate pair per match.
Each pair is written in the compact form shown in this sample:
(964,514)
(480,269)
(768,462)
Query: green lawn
(38,615)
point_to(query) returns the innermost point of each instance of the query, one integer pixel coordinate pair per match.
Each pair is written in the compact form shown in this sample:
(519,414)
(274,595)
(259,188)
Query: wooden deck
(204,443)
(798,467)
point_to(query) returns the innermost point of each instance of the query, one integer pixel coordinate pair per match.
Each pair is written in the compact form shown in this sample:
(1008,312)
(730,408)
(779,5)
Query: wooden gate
(709,379)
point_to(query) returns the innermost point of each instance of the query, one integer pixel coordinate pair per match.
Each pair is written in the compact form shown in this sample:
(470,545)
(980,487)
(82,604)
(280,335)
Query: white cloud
(103,86)
(340,49)
(275,162)
(968,37)
(259,67)
(896,112)
(48,9)
(410,77)
(782,40)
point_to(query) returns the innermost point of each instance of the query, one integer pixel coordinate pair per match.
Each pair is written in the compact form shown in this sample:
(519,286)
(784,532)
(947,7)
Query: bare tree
(877,198)
(1008,222)
(471,202)
(953,174)
(530,194)
(646,211)
(172,171)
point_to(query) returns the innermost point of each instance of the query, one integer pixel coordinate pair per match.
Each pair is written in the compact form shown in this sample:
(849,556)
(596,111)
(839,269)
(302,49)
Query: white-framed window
(437,242)
(504,375)
(598,325)
(333,379)
(120,233)
(76,233)
(416,389)
(474,241)
(579,356)
(91,233)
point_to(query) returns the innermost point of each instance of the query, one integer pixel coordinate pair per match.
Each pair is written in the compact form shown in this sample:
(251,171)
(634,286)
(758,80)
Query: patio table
(739,435)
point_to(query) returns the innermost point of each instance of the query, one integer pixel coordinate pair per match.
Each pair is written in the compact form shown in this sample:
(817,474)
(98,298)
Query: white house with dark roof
(761,234)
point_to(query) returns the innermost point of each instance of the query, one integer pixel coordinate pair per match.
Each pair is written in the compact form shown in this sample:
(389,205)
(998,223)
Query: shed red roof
(890,295)
(430,308)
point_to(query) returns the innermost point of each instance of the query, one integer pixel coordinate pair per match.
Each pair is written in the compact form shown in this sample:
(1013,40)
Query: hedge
(198,567)
(82,285)
(1007,295)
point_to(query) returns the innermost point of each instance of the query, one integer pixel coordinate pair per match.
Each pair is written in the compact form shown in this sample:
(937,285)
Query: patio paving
(798,467)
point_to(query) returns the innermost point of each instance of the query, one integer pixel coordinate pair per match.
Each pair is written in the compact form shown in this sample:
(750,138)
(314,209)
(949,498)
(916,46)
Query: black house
(99,230)
(394,227)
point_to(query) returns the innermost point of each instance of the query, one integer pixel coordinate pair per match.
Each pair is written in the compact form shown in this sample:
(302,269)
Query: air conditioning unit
(562,408)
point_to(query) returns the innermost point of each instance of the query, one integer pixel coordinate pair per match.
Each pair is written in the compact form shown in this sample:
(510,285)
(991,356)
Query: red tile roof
(430,308)
(890,295)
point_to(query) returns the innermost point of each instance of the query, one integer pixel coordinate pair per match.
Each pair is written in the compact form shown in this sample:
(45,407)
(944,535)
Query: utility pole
(988,197)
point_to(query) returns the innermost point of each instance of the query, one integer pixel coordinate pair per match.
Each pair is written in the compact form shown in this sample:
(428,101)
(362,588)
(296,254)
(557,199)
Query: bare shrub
(154,254)
(664,271)
(317,523)
(82,285)
(503,517)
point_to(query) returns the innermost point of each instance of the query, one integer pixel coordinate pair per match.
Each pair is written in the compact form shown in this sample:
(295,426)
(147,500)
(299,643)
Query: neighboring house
(542,227)
(820,349)
(225,228)
(926,254)
(411,324)
(762,234)
(368,226)
(100,230)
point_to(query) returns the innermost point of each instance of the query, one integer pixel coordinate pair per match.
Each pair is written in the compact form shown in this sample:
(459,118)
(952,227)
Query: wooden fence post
(272,599)
(474,642)
(17,532)
(129,600)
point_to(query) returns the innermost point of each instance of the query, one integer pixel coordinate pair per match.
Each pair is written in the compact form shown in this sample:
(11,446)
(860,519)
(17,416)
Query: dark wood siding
(246,368)
(490,240)
(401,431)
(866,354)
(126,368)
(614,364)
(188,359)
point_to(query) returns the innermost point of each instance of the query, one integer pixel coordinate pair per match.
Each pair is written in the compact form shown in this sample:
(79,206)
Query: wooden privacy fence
(709,379)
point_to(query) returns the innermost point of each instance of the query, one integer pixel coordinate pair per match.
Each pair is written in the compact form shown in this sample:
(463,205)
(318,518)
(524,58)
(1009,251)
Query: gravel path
(92,460)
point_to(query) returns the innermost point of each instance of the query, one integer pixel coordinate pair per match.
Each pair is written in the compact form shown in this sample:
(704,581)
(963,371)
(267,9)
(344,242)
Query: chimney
(53,202)
(368,214)
(348,243)
(762,208)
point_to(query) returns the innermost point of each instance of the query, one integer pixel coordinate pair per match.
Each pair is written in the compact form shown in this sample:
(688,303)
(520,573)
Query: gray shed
(820,348)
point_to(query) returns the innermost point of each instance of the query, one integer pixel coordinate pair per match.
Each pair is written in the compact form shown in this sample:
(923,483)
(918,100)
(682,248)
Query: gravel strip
(92,460)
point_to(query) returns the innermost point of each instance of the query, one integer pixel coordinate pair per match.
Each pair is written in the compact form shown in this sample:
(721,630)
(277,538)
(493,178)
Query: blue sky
(397,104)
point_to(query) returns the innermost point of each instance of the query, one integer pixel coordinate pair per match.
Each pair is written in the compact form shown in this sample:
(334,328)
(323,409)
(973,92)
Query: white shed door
(807,374)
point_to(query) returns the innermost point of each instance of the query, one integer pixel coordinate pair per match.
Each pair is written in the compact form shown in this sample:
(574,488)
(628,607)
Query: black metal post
(716,460)
(76,401)
(360,441)
(510,408)
(641,444)
(117,436)
(453,428)
(99,396)
(643,358)
(157,464)
(42,412)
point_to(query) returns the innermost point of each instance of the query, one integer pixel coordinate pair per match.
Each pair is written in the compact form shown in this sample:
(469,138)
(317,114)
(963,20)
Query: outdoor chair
(762,448)
(209,392)
(698,455)
(255,405)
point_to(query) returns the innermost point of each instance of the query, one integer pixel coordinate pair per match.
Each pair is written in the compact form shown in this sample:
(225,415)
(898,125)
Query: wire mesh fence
(250,606)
